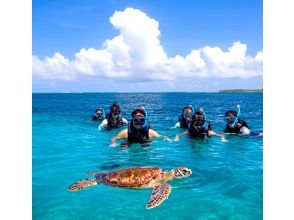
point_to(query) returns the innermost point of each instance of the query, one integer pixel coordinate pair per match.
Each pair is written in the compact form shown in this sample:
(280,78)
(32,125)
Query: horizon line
(149,91)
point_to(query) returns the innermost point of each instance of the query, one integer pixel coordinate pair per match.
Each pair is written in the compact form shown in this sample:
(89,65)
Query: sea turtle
(137,178)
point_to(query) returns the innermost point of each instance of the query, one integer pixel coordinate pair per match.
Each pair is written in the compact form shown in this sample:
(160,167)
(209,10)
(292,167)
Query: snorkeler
(199,127)
(234,124)
(113,119)
(185,118)
(138,130)
(99,115)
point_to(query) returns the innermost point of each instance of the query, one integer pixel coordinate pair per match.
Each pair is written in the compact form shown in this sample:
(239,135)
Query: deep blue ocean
(227,179)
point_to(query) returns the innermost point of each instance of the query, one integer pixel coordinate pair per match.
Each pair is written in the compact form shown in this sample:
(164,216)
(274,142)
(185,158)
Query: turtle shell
(135,177)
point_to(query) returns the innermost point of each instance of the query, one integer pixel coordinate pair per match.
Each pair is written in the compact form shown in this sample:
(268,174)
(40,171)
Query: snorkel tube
(191,108)
(146,118)
(204,124)
(103,113)
(237,116)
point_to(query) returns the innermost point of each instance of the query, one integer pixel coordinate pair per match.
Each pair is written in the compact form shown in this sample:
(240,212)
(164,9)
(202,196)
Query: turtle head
(181,172)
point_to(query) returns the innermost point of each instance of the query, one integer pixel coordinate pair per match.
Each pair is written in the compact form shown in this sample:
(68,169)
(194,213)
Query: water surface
(227,177)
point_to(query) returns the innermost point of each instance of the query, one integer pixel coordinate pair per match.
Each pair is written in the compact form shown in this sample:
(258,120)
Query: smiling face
(181,172)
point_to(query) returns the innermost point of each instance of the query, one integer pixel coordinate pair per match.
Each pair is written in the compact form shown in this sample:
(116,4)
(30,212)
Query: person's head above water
(188,108)
(99,113)
(114,111)
(187,112)
(198,119)
(232,117)
(231,113)
(139,118)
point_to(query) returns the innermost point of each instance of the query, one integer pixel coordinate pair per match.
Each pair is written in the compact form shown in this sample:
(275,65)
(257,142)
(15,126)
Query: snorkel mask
(232,120)
(140,120)
(100,114)
(198,120)
(188,115)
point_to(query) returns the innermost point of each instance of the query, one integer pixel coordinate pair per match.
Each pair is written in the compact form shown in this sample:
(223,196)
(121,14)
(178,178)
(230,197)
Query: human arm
(153,133)
(125,121)
(177,125)
(122,134)
(179,135)
(213,133)
(245,131)
(103,124)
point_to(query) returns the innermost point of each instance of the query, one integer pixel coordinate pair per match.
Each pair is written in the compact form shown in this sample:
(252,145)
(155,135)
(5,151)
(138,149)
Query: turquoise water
(227,176)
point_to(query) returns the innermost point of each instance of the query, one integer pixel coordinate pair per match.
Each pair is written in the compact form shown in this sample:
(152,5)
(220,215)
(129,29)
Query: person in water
(199,127)
(185,118)
(99,115)
(234,124)
(138,130)
(113,119)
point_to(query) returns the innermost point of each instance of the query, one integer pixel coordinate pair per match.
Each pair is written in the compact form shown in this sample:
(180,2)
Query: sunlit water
(227,176)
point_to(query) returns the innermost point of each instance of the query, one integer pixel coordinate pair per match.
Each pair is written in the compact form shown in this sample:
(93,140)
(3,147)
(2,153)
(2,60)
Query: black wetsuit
(202,132)
(236,129)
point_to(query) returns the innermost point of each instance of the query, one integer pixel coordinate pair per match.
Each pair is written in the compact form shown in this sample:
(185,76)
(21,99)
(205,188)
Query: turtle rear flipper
(159,194)
(81,184)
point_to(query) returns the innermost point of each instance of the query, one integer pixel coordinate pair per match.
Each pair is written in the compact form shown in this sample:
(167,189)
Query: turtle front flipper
(159,194)
(81,184)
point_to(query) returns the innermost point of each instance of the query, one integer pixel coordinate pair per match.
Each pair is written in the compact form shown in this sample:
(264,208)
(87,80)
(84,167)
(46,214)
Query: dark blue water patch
(227,176)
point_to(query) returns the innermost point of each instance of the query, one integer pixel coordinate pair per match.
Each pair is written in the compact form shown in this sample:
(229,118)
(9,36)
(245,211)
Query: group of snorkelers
(139,131)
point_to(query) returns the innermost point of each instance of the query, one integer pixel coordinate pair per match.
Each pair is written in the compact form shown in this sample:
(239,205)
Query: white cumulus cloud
(136,54)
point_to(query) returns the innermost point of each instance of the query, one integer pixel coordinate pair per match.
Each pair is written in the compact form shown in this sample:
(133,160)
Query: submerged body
(137,178)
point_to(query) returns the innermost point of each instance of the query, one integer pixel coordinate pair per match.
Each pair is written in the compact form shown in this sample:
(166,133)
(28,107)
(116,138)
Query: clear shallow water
(227,177)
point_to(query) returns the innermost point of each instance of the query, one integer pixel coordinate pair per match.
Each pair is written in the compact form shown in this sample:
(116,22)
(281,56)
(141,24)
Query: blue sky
(210,28)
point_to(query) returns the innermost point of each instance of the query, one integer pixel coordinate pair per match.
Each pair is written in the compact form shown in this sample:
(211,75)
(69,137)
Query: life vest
(237,128)
(112,124)
(138,136)
(202,132)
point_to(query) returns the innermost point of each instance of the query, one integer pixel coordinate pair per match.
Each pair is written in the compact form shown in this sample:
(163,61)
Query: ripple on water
(227,177)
